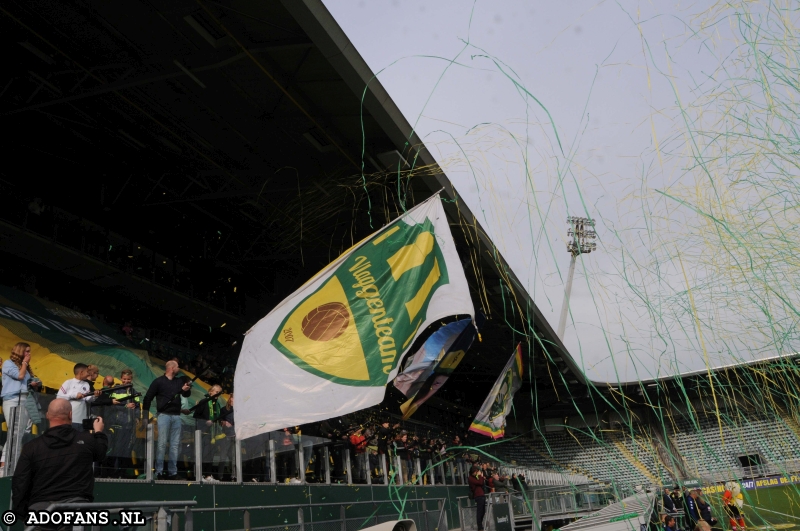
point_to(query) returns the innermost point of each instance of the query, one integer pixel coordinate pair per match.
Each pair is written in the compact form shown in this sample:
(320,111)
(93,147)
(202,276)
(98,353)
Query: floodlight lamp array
(575,220)
(587,234)
(580,231)
(581,248)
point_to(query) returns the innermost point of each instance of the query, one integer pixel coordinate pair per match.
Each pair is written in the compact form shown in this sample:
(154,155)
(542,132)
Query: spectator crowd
(97,428)
(367,444)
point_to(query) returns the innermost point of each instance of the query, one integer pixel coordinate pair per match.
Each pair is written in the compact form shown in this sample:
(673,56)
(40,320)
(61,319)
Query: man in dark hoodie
(167,390)
(57,467)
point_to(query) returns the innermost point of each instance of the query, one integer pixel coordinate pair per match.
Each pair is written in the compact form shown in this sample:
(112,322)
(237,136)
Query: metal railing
(421,511)
(529,508)
(427,514)
(270,458)
(156,508)
(498,504)
(539,476)
(570,500)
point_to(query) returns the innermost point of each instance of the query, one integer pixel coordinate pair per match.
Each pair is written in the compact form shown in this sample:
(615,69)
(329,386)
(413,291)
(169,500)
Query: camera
(88,423)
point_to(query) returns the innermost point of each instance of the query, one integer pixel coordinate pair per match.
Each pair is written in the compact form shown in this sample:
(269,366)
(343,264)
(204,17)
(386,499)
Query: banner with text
(758,483)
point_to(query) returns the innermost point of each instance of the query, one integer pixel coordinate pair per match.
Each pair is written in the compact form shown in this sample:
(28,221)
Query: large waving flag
(331,347)
(491,419)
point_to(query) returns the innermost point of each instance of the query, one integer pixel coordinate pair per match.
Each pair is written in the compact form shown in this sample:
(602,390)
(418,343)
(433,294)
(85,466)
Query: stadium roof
(229,137)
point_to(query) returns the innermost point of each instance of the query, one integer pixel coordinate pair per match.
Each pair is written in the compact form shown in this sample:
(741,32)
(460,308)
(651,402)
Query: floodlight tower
(581,230)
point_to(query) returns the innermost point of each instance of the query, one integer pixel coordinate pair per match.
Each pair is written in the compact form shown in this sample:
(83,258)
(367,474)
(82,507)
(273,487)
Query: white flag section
(331,347)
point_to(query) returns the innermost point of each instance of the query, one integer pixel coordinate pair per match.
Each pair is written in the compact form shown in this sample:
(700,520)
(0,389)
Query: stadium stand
(594,456)
(754,444)
(750,444)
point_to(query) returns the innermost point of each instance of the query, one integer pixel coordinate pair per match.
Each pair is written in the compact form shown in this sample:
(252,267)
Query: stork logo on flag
(503,396)
(368,310)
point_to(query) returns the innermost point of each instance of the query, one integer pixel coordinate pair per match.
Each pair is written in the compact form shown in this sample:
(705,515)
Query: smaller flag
(491,419)
(450,343)
(418,368)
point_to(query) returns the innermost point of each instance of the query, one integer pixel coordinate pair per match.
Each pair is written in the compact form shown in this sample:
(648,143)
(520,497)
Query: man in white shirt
(79,393)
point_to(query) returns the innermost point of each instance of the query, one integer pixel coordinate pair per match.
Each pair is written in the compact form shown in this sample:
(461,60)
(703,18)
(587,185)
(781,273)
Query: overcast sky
(574,108)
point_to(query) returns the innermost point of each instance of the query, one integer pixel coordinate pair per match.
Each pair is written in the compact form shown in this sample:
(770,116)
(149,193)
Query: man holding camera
(57,466)
(167,390)
(477,489)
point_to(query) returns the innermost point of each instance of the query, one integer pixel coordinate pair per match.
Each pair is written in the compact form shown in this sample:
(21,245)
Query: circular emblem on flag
(325,322)
(356,324)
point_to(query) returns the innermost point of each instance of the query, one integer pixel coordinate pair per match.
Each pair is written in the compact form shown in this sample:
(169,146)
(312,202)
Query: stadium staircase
(792,424)
(655,455)
(670,458)
(619,441)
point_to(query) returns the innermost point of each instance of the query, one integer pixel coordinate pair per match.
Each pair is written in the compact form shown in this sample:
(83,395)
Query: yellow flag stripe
(412,255)
(415,305)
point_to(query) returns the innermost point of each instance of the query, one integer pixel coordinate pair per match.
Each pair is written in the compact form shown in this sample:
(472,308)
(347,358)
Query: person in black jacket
(385,436)
(677,498)
(401,450)
(167,390)
(667,503)
(206,415)
(225,441)
(336,430)
(705,512)
(57,466)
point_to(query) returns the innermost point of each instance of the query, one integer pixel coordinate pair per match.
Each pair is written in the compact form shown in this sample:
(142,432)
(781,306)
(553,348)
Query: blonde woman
(17,374)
